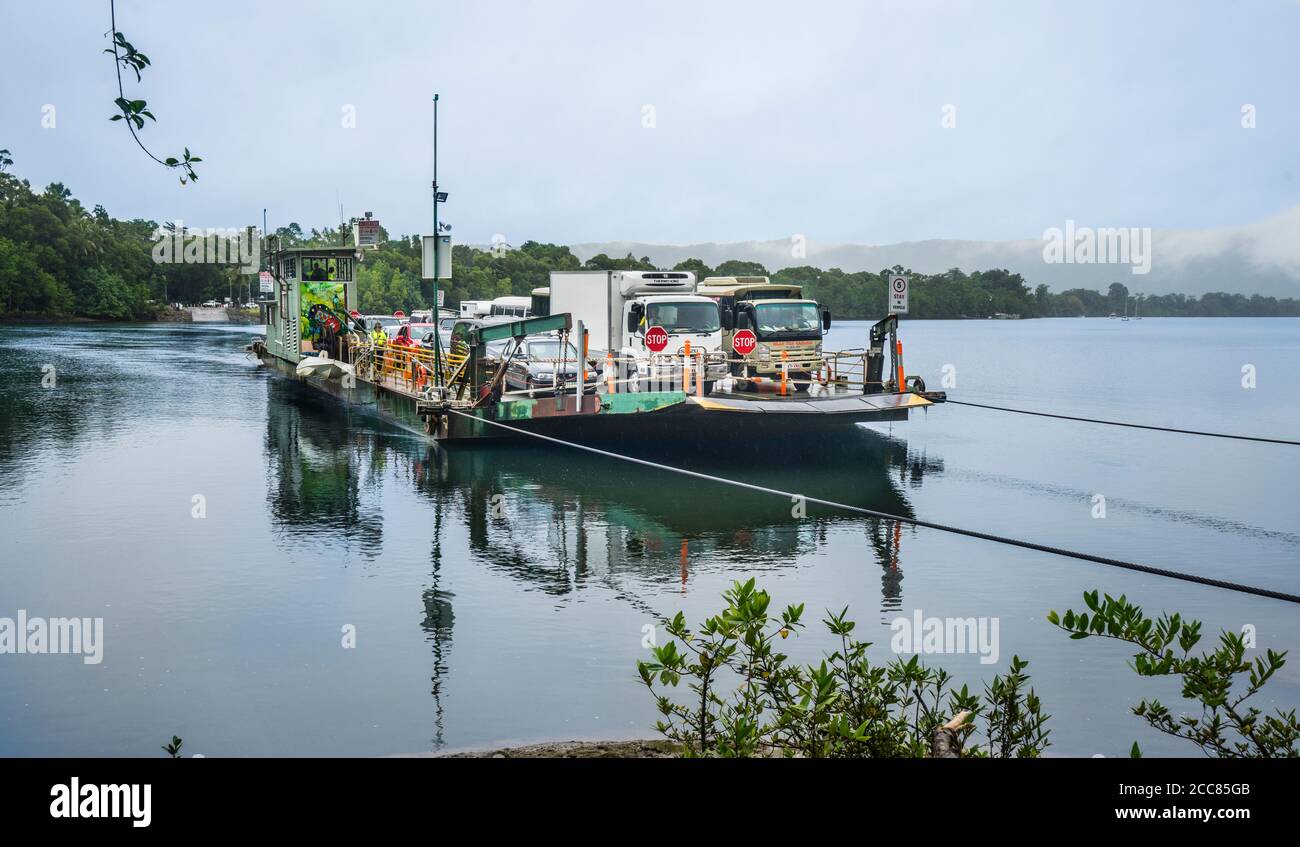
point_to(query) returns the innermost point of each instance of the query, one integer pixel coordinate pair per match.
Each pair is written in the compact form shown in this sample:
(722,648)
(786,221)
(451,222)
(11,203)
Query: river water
(233,529)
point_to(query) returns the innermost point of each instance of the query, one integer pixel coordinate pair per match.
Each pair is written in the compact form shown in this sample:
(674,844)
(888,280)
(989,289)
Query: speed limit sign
(897,294)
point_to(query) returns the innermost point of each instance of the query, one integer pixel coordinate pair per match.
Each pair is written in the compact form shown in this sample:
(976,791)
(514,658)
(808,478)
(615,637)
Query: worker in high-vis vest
(378,338)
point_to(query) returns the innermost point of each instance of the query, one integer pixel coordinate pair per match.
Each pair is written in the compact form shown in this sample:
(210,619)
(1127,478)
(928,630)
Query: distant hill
(1260,258)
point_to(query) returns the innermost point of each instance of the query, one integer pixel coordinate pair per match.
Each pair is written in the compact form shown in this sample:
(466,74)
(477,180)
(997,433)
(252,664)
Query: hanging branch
(135,111)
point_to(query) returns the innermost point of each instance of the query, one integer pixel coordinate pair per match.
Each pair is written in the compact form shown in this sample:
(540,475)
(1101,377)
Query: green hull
(663,418)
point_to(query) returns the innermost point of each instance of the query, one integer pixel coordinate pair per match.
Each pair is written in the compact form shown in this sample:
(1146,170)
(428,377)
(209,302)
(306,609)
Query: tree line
(60,260)
(389,279)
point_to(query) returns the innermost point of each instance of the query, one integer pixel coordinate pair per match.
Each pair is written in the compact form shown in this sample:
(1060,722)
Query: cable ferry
(649,363)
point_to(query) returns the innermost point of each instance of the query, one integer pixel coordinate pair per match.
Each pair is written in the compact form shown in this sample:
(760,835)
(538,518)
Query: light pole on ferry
(437,341)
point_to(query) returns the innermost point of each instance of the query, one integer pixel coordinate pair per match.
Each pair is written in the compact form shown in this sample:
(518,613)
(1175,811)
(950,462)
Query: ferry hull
(670,419)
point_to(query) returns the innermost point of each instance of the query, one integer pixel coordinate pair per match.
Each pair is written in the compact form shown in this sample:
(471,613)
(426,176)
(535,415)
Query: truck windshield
(802,319)
(683,317)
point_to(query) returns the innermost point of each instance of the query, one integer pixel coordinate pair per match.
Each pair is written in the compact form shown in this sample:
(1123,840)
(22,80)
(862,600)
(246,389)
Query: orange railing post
(686,374)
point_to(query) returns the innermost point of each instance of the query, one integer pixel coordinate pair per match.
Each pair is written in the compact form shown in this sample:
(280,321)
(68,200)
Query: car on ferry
(384,321)
(409,334)
(538,363)
(452,332)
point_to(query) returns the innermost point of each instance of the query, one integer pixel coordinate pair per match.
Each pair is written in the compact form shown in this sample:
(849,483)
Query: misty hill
(1260,258)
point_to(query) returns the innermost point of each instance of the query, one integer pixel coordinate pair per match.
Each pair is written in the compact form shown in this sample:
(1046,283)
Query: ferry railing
(834,372)
(411,369)
(405,367)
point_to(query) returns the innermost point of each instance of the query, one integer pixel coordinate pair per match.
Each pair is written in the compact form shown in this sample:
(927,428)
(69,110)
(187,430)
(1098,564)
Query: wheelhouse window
(322,269)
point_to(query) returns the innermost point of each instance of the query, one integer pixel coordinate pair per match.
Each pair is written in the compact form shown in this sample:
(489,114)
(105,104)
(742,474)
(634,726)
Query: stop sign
(744,342)
(656,339)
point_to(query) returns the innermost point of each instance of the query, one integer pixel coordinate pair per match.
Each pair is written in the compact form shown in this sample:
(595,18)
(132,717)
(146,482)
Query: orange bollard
(902,380)
(582,372)
(785,370)
(699,375)
(609,372)
(686,374)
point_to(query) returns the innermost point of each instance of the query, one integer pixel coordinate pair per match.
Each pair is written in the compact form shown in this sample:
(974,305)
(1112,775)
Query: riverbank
(168,314)
(222,314)
(640,749)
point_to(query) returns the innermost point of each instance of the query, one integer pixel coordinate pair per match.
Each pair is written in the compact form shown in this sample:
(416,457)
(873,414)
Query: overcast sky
(823,119)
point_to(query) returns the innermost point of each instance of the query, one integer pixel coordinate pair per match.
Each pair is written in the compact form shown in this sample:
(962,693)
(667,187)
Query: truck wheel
(708,387)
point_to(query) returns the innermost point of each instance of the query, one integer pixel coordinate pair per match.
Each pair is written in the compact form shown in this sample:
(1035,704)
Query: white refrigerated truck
(618,307)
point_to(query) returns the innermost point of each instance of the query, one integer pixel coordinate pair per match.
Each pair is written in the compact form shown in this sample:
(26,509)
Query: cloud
(820,117)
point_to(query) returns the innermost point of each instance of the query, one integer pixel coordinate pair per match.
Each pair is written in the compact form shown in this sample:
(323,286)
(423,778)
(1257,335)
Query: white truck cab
(619,308)
(788,328)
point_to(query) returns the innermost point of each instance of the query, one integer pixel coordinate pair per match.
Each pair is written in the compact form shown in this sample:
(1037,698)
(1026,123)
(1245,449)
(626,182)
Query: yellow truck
(780,319)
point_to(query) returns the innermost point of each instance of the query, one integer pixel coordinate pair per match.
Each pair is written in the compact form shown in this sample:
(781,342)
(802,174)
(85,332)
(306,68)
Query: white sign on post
(428,263)
(897,294)
(266,283)
(432,268)
(444,257)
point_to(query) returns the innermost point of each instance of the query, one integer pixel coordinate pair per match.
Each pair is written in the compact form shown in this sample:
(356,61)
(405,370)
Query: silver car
(537,363)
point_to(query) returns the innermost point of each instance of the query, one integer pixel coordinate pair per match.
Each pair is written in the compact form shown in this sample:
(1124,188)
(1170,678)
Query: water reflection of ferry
(316,468)
(555,518)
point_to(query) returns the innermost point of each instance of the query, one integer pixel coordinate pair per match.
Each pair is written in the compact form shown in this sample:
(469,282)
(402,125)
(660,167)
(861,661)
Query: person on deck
(378,338)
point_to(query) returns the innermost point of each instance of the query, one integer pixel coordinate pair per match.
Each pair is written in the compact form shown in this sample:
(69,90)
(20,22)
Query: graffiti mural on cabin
(320,303)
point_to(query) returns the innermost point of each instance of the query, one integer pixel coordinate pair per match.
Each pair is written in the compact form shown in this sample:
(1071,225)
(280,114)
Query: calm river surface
(479,626)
